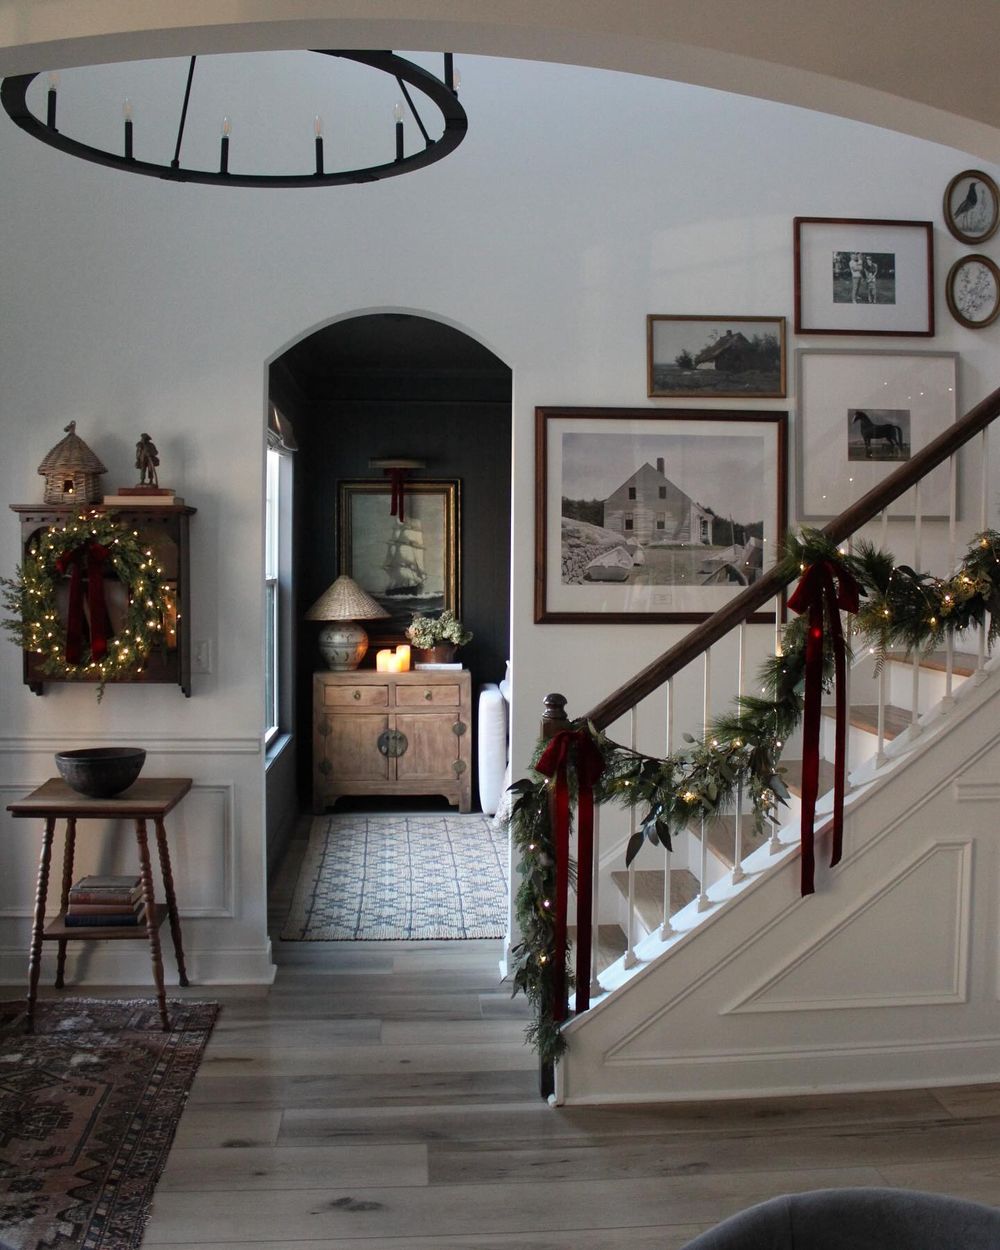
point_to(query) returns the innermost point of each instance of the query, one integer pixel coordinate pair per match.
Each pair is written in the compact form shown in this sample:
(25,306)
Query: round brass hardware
(458,729)
(357,694)
(428,695)
(458,767)
(392,743)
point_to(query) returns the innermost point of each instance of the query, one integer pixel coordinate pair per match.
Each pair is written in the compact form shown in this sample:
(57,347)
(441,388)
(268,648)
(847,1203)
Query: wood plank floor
(379,1097)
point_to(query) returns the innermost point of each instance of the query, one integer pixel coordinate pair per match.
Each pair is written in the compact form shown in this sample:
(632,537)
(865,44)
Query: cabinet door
(349,746)
(433,746)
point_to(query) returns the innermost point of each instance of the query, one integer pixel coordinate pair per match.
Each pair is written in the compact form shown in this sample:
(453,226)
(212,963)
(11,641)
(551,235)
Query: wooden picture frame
(864,276)
(972,290)
(423,549)
(708,490)
(972,206)
(707,357)
(901,399)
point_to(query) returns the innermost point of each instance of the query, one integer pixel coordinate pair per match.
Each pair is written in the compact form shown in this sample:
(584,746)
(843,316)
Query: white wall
(580,202)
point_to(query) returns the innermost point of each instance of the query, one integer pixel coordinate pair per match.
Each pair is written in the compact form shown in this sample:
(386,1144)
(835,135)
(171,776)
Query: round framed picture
(973,291)
(972,206)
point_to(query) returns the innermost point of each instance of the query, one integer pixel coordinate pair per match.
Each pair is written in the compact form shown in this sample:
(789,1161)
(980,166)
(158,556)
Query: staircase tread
(649,892)
(792,770)
(865,716)
(722,838)
(611,943)
(964,663)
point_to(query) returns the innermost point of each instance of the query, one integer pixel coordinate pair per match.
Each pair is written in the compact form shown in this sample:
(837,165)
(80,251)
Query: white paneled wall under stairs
(889,975)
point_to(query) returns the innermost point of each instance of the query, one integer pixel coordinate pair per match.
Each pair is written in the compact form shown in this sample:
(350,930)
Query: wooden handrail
(867,507)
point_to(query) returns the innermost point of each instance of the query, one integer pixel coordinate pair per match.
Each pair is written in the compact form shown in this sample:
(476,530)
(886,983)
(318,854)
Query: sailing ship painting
(407,566)
(405,570)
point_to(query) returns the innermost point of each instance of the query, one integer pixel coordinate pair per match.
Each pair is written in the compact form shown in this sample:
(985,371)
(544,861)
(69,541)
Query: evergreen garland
(741,750)
(30,598)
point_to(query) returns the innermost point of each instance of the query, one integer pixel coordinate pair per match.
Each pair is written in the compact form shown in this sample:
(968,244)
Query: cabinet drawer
(356,696)
(427,696)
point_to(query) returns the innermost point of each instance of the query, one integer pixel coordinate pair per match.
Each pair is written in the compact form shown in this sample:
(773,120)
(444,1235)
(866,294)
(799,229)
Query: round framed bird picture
(972,290)
(972,206)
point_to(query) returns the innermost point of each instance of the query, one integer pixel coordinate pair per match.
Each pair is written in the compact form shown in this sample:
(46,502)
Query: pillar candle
(403,651)
(382,659)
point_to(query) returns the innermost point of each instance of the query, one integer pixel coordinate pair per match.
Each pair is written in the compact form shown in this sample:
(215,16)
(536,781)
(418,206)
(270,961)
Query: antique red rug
(89,1104)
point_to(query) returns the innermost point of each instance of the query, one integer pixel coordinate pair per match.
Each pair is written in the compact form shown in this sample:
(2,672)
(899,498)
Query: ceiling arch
(916,66)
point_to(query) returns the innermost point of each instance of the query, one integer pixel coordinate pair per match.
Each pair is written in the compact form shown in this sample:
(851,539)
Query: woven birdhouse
(71,471)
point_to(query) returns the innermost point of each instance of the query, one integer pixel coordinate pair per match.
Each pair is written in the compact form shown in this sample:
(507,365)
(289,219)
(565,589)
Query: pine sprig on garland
(741,750)
(35,622)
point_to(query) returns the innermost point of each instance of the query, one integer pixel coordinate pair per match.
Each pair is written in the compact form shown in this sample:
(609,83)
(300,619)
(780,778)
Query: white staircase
(889,975)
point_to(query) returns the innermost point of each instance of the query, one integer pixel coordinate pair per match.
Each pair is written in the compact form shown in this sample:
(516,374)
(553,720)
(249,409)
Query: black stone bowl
(100,772)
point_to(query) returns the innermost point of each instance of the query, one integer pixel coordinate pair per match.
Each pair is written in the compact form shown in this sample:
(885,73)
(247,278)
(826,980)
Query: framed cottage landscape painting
(406,566)
(715,357)
(644,516)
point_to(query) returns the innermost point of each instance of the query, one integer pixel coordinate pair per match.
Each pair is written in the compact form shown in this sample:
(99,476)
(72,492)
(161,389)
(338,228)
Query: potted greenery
(435,638)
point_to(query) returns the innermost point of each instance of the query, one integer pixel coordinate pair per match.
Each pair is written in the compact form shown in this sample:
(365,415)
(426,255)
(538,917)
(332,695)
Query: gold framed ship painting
(408,565)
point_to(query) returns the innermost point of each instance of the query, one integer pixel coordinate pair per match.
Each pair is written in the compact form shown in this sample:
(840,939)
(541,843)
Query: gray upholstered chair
(857,1219)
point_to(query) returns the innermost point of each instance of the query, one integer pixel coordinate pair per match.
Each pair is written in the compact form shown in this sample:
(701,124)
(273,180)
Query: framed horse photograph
(861,414)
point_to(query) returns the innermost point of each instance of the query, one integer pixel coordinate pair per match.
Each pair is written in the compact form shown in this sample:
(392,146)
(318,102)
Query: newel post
(554,719)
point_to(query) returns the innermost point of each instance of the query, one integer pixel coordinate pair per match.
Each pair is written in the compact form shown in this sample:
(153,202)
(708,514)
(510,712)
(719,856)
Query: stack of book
(108,902)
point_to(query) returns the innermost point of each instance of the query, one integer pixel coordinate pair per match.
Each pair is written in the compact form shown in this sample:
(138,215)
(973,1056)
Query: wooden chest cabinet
(392,733)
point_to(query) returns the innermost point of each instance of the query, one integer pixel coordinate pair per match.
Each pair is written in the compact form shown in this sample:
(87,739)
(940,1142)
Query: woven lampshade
(345,601)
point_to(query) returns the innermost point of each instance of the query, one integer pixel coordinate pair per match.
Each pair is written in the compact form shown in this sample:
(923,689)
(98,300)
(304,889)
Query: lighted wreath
(82,646)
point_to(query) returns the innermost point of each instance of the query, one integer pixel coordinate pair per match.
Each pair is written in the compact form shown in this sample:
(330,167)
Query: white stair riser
(931,690)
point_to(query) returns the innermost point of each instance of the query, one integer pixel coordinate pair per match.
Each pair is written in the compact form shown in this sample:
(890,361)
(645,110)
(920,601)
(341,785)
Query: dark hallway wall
(400,386)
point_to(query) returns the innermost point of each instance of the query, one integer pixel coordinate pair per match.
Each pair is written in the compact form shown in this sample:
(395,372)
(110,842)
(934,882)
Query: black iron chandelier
(442,93)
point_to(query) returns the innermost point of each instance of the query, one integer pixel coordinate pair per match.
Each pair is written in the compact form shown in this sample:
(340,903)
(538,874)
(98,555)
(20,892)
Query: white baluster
(918,520)
(666,928)
(595,981)
(848,550)
(738,873)
(774,846)
(983,519)
(630,959)
(880,750)
(703,900)
(948,701)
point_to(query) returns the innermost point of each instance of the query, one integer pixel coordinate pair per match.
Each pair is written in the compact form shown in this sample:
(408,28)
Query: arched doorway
(395,385)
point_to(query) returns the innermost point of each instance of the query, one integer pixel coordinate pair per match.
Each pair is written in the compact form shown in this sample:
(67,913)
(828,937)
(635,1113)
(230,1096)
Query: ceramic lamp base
(342,644)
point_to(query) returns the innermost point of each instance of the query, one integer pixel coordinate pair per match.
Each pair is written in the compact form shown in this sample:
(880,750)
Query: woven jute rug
(381,877)
(89,1104)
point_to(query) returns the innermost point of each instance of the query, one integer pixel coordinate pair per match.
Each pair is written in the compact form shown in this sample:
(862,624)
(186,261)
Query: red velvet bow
(573,748)
(94,555)
(823,590)
(396,479)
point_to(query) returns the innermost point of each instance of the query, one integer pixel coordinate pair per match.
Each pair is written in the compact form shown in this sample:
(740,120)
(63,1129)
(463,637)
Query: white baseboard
(128,963)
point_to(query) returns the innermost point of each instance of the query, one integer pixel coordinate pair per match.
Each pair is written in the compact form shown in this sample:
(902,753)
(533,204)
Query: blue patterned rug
(387,877)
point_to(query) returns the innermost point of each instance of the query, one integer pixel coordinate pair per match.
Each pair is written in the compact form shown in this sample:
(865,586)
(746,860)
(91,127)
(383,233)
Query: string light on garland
(899,609)
(100,540)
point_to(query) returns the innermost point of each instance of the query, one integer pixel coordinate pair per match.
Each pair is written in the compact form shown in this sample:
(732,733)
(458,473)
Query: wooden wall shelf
(166,528)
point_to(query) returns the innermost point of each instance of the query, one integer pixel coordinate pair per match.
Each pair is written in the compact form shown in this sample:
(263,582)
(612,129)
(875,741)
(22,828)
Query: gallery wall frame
(727,357)
(699,494)
(857,275)
(972,290)
(407,566)
(862,413)
(972,206)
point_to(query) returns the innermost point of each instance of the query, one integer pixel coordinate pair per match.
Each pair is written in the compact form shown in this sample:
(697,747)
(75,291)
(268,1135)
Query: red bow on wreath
(823,590)
(94,556)
(572,748)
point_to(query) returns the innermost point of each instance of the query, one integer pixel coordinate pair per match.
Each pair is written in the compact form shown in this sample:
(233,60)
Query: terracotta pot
(443,653)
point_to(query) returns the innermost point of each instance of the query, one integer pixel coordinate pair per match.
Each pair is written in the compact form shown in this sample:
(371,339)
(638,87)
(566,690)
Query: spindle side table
(149,798)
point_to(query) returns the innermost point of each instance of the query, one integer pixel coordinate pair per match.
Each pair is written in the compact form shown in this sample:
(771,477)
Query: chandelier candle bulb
(50,102)
(227,129)
(397,113)
(127,114)
(318,129)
